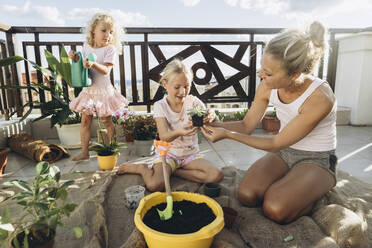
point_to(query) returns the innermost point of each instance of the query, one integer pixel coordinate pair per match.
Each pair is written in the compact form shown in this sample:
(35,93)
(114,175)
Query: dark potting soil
(197,121)
(188,217)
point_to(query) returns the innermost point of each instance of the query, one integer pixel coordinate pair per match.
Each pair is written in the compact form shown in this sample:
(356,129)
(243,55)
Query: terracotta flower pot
(270,124)
(3,159)
(129,138)
(230,215)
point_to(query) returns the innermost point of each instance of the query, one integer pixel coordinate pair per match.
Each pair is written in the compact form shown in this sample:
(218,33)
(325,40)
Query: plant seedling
(197,114)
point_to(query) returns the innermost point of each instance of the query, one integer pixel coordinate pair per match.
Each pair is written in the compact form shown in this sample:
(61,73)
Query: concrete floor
(354,153)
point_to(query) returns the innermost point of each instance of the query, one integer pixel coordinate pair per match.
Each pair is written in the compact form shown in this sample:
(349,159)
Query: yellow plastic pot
(200,239)
(107,162)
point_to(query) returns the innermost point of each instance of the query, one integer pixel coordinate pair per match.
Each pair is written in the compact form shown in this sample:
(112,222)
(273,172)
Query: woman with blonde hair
(300,165)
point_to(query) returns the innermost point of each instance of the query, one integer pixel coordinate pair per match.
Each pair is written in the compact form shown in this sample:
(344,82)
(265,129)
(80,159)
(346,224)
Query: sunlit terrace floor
(354,153)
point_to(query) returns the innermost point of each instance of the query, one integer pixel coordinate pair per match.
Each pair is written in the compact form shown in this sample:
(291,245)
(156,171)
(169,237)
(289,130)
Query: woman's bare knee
(275,211)
(248,197)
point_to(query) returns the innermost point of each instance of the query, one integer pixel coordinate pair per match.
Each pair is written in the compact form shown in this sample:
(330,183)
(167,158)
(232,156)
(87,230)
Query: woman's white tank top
(323,136)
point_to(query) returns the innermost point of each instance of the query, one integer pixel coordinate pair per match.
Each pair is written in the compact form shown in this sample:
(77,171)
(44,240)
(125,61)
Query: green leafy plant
(144,127)
(44,204)
(237,115)
(58,107)
(104,148)
(198,111)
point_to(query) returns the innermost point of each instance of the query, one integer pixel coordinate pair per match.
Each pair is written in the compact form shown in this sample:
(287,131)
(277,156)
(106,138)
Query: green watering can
(79,74)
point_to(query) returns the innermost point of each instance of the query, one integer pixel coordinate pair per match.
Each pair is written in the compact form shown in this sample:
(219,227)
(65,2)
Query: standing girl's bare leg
(109,125)
(86,123)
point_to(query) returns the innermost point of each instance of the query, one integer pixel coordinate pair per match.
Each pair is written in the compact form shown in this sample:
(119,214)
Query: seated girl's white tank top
(323,136)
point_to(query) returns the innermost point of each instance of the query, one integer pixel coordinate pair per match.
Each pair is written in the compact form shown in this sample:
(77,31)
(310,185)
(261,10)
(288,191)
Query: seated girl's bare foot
(131,168)
(81,156)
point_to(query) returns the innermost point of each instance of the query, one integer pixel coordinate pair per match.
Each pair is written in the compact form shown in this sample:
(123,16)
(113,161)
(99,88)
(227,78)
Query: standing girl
(174,126)
(102,40)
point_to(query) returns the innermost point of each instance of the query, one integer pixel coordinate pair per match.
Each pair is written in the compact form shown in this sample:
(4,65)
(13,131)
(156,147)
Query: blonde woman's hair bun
(316,32)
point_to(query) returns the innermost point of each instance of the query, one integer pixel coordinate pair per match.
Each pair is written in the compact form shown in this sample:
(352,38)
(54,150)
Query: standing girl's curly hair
(110,22)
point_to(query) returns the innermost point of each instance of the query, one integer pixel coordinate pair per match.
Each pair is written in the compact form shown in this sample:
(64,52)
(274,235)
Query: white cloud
(304,11)
(324,12)
(129,19)
(82,14)
(232,2)
(190,3)
(272,7)
(123,18)
(50,15)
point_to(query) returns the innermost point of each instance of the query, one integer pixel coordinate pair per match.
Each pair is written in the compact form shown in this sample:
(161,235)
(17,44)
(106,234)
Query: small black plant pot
(212,189)
(229,215)
(197,121)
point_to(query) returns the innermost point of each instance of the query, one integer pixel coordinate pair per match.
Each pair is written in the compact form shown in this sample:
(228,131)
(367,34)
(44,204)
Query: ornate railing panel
(152,58)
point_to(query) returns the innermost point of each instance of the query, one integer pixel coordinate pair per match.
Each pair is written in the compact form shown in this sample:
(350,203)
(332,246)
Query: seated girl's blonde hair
(108,20)
(176,66)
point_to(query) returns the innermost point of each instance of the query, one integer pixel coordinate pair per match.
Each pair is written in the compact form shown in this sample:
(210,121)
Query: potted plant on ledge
(144,134)
(270,122)
(43,201)
(57,108)
(124,125)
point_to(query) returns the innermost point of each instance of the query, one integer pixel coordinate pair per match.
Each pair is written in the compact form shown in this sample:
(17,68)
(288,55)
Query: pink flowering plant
(144,127)
(126,119)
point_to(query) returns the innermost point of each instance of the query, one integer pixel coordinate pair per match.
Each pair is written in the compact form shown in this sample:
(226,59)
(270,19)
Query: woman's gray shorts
(293,157)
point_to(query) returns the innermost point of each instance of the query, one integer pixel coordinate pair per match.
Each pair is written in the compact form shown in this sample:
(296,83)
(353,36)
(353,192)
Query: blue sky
(190,13)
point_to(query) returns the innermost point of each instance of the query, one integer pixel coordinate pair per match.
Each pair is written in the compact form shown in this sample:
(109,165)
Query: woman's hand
(187,130)
(214,134)
(211,117)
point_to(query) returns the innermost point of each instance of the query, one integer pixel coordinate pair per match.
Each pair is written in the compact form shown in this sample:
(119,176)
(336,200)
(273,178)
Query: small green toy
(79,74)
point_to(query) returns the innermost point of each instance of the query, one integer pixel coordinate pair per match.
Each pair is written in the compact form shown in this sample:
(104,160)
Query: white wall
(354,77)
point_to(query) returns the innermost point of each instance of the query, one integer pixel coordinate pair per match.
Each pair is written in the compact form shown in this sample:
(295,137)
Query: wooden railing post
(15,100)
(38,61)
(145,73)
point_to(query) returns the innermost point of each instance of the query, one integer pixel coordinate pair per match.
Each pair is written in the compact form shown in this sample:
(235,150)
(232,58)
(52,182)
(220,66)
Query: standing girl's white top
(182,146)
(106,98)
(323,136)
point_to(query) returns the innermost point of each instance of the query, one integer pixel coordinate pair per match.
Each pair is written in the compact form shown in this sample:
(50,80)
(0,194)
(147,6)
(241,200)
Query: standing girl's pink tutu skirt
(105,98)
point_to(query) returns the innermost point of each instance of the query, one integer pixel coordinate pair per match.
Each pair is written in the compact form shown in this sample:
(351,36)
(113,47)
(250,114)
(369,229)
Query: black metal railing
(207,57)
